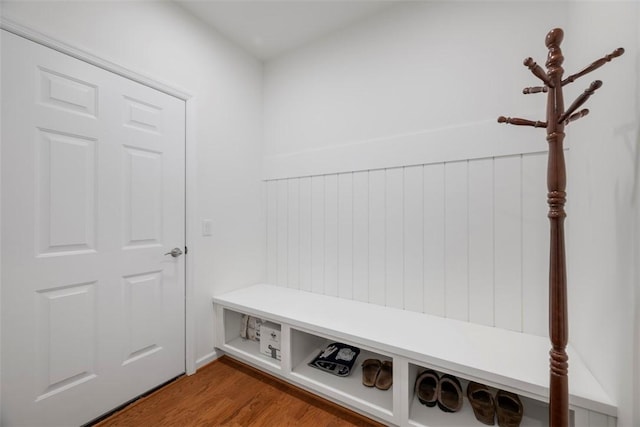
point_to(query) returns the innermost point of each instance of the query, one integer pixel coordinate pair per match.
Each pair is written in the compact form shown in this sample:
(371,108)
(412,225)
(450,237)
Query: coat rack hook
(595,85)
(537,71)
(594,65)
(521,122)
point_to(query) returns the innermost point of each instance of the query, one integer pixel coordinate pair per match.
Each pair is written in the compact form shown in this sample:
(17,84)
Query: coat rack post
(556,198)
(557,119)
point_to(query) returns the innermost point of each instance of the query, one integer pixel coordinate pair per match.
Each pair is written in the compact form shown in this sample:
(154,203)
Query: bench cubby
(535,411)
(242,348)
(305,346)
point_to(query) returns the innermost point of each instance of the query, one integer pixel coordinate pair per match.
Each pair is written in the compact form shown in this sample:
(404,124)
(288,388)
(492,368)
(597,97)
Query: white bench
(499,358)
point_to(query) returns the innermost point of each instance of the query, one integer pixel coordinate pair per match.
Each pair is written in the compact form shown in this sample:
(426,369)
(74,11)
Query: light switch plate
(206,227)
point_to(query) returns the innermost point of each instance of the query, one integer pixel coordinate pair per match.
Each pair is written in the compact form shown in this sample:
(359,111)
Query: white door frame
(190,159)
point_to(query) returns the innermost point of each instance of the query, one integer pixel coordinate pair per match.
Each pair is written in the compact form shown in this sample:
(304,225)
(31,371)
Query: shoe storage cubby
(306,346)
(500,359)
(535,412)
(244,348)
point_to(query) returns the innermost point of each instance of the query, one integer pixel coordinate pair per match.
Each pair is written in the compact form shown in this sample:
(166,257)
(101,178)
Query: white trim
(207,358)
(190,160)
(191,235)
(476,140)
(82,55)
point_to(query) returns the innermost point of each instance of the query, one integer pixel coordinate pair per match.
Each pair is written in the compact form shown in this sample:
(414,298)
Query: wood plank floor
(229,393)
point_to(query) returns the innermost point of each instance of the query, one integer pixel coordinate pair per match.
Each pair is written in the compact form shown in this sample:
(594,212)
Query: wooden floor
(229,393)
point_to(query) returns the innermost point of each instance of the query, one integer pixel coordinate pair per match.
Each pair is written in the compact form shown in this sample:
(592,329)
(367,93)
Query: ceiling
(268,28)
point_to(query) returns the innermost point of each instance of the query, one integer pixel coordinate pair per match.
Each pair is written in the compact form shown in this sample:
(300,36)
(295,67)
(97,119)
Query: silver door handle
(175,252)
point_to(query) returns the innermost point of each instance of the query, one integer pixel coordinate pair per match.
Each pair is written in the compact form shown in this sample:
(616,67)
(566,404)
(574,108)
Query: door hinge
(186,250)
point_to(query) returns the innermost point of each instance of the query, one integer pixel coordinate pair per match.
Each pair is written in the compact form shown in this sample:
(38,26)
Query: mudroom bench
(499,358)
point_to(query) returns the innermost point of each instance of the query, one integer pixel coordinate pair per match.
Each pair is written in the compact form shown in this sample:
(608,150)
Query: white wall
(604,189)
(160,40)
(426,69)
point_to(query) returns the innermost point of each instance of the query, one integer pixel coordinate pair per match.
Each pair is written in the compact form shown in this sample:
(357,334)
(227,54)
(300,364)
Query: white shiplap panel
(535,245)
(272,228)
(317,234)
(282,237)
(434,240)
(361,236)
(305,233)
(466,240)
(394,252)
(598,420)
(580,417)
(345,235)
(331,235)
(377,244)
(508,243)
(481,242)
(293,234)
(413,238)
(456,241)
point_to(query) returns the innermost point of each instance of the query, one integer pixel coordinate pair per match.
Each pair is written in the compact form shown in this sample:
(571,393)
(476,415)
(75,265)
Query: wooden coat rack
(557,119)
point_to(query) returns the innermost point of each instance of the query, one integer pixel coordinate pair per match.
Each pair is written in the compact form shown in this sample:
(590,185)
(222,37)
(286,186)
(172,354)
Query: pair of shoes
(506,405)
(444,391)
(377,374)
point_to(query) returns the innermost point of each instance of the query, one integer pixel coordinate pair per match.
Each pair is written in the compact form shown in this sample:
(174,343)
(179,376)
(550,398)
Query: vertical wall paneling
(282,238)
(584,417)
(272,226)
(377,244)
(434,240)
(331,235)
(293,234)
(508,243)
(304,199)
(361,236)
(456,241)
(598,420)
(580,417)
(394,250)
(481,290)
(345,235)
(413,239)
(465,239)
(535,245)
(317,234)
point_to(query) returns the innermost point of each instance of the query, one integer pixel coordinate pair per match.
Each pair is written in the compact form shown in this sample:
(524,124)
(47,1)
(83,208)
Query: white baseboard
(206,359)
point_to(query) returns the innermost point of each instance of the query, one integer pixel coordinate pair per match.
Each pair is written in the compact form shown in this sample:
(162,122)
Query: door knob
(175,252)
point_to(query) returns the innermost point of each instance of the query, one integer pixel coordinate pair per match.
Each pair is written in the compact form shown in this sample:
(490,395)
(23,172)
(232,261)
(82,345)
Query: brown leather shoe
(449,394)
(481,401)
(385,376)
(426,388)
(509,409)
(370,369)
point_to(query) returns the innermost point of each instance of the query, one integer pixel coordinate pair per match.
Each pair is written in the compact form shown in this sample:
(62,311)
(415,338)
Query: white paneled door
(92,199)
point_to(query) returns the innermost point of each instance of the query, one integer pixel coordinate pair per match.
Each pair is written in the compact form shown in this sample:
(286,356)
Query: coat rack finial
(554,58)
